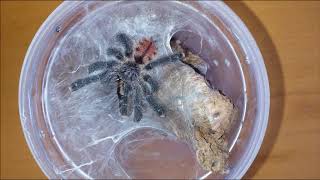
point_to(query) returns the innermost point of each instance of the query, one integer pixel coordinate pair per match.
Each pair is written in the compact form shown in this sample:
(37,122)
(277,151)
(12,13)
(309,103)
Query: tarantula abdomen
(145,51)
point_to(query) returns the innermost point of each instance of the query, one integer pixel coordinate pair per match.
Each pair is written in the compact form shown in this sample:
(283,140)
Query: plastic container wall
(235,67)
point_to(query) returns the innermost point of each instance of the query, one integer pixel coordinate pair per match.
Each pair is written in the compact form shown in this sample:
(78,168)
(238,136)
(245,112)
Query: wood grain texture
(288,34)
(19,23)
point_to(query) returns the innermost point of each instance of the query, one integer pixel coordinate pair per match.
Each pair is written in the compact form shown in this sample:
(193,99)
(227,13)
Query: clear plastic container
(67,145)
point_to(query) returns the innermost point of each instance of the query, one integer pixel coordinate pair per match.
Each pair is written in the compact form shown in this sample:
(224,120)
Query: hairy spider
(134,84)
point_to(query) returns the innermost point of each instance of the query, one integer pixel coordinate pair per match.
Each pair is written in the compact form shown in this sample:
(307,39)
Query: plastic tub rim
(251,153)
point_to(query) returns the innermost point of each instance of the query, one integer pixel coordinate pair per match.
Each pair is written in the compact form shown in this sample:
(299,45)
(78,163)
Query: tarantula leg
(99,65)
(107,77)
(123,91)
(153,84)
(115,52)
(127,91)
(164,60)
(126,42)
(157,107)
(83,82)
(96,66)
(137,101)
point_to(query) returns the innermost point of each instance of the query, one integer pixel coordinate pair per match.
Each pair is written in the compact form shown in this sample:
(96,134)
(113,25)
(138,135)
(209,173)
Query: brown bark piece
(199,114)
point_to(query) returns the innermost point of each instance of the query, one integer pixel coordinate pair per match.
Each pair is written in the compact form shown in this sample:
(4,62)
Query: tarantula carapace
(134,84)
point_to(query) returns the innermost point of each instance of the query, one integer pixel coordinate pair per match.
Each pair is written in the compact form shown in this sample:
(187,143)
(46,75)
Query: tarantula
(134,84)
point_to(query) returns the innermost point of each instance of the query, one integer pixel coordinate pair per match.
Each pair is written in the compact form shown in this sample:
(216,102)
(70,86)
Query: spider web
(97,141)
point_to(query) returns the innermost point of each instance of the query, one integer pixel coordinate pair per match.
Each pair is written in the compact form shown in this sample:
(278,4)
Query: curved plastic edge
(23,76)
(235,20)
(264,92)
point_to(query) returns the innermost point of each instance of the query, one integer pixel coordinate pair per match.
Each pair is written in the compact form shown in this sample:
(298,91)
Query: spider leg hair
(137,103)
(153,84)
(164,60)
(127,43)
(115,52)
(83,82)
(153,102)
(123,91)
(108,77)
(99,65)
